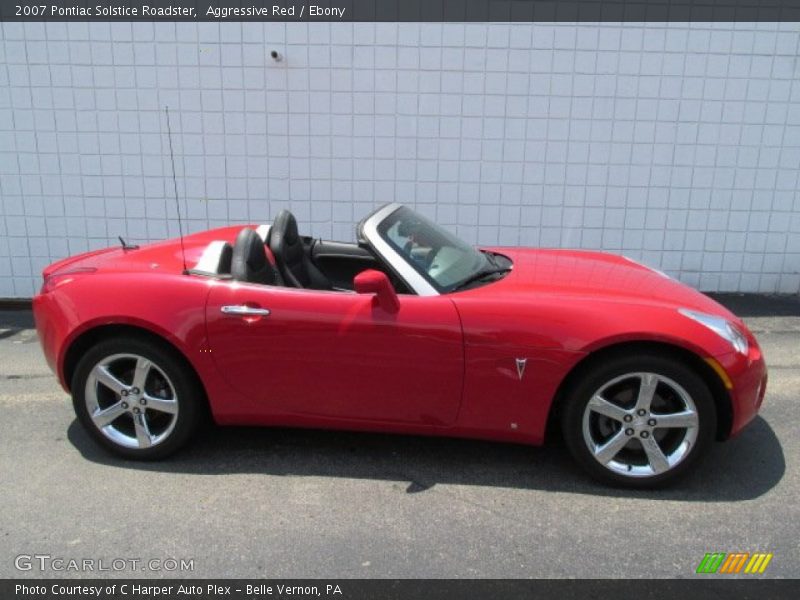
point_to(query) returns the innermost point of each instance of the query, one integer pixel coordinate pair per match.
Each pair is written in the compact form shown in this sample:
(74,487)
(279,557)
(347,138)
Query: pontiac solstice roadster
(408,330)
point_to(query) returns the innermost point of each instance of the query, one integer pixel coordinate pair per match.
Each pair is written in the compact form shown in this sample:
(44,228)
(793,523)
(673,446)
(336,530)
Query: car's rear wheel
(639,421)
(136,398)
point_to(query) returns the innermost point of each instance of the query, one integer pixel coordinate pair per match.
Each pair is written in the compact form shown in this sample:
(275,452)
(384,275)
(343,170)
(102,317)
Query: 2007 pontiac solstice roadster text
(169,11)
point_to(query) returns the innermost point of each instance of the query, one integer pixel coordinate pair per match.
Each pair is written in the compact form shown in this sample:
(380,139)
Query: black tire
(579,428)
(187,393)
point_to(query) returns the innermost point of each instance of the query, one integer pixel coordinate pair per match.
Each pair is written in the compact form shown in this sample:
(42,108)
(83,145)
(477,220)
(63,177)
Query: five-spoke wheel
(639,421)
(136,397)
(640,424)
(131,400)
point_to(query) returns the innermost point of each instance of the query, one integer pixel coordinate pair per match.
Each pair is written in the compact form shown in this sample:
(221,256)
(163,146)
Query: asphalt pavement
(245,502)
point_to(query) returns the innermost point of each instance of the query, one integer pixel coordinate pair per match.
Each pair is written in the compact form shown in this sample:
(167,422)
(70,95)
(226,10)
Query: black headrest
(225,258)
(285,224)
(249,262)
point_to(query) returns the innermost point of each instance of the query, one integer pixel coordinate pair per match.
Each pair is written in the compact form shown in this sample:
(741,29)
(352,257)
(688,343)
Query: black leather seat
(293,263)
(249,261)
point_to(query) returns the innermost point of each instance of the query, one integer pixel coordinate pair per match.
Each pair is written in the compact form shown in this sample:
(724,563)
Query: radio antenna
(175,188)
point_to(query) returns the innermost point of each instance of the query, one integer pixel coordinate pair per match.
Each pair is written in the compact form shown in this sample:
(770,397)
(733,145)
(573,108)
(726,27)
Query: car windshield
(440,257)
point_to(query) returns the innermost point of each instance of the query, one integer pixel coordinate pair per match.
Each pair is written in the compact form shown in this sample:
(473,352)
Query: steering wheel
(430,257)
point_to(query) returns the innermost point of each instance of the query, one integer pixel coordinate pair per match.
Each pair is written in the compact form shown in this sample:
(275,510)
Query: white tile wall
(676,144)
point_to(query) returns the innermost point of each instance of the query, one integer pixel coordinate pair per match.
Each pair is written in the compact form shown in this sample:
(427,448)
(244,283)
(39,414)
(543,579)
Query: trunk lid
(165,256)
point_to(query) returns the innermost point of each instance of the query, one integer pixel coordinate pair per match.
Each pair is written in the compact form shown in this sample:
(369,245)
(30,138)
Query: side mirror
(375,282)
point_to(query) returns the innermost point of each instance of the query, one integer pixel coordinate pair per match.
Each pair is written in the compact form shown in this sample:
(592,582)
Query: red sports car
(409,330)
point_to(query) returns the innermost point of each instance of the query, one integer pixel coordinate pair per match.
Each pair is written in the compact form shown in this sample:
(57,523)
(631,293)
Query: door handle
(245,311)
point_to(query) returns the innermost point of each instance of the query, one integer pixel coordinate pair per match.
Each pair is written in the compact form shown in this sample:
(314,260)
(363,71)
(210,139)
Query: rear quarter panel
(170,306)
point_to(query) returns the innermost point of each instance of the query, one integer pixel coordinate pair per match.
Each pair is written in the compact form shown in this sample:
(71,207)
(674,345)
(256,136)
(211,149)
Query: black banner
(400,10)
(399,589)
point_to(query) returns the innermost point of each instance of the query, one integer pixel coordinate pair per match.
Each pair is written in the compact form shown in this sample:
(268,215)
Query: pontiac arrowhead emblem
(521,362)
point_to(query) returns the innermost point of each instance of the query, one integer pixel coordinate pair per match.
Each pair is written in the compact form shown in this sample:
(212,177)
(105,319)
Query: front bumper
(748,378)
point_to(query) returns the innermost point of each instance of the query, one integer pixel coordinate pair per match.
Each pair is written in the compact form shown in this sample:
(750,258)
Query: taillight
(53,280)
(761,392)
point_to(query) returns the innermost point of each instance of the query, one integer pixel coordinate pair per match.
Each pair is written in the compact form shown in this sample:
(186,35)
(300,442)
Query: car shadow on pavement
(740,469)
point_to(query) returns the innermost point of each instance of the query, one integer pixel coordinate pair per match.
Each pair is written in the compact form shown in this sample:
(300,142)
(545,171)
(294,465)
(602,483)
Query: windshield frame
(417,280)
(368,233)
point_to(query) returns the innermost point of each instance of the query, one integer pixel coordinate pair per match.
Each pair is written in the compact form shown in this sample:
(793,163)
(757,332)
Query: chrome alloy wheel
(131,401)
(640,424)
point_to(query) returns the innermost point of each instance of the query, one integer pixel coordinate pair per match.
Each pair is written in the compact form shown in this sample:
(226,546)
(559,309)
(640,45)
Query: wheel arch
(93,335)
(722,399)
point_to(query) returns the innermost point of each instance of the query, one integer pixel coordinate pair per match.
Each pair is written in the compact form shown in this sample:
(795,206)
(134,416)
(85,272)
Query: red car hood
(596,276)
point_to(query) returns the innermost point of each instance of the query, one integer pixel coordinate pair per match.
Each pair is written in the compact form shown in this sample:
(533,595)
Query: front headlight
(721,326)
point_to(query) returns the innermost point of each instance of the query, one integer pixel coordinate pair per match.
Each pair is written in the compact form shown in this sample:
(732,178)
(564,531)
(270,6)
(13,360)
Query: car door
(338,354)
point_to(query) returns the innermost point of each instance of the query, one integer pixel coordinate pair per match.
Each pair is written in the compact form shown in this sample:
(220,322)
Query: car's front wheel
(136,398)
(639,421)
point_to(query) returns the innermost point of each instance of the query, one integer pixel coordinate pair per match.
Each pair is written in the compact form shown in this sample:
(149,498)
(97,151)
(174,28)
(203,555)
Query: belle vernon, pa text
(154,591)
(145,10)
